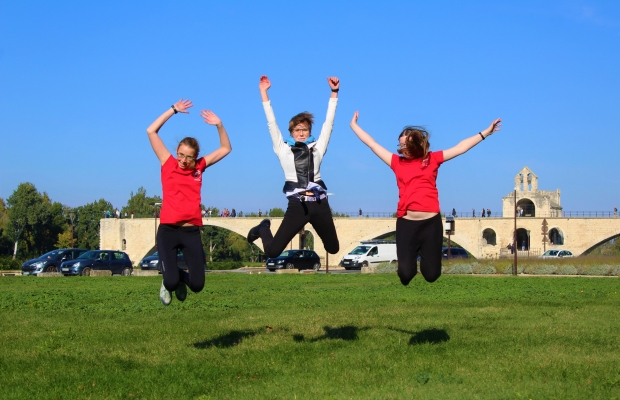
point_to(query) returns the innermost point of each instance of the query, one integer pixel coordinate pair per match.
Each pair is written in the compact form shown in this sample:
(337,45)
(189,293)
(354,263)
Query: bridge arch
(556,236)
(489,237)
(600,243)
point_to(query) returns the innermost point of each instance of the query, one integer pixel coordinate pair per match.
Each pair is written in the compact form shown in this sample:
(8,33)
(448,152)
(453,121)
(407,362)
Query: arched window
(526,208)
(556,237)
(490,237)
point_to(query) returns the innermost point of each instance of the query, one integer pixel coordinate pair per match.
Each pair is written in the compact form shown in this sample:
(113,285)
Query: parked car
(152,262)
(559,253)
(116,261)
(50,262)
(300,259)
(371,252)
(455,252)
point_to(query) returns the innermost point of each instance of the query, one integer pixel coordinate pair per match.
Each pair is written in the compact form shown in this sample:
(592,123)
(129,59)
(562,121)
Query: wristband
(335,90)
(481,135)
(174,109)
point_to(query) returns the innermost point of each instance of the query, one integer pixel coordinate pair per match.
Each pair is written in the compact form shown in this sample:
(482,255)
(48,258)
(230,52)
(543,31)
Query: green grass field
(311,337)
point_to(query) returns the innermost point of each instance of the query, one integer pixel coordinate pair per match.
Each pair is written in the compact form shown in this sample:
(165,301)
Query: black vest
(304,167)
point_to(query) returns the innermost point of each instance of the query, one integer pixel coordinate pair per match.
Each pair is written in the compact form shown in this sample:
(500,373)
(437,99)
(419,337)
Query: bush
(596,270)
(566,270)
(386,268)
(508,269)
(544,269)
(485,269)
(458,269)
(615,271)
(7,263)
(224,265)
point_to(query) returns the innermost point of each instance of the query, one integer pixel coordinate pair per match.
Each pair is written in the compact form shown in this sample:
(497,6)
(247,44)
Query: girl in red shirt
(418,228)
(180,219)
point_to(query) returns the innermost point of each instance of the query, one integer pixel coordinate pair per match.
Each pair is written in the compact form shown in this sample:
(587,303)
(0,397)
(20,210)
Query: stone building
(531,202)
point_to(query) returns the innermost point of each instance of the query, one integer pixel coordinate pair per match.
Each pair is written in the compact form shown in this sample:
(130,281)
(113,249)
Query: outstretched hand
(334,82)
(210,118)
(264,83)
(354,119)
(494,127)
(182,106)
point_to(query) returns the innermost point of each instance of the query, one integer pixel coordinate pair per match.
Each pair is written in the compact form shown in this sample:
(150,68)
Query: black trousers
(299,213)
(423,238)
(171,238)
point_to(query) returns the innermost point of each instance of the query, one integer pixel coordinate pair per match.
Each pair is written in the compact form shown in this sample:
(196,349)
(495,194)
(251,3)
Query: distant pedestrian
(203,213)
(209,212)
(509,247)
(118,214)
(483,211)
(616,212)
(125,214)
(454,213)
(523,245)
(233,213)
(473,213)
(360,213)
(260,213)
(488,212)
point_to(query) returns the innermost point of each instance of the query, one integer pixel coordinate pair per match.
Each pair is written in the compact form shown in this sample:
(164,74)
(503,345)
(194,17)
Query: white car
(556,254)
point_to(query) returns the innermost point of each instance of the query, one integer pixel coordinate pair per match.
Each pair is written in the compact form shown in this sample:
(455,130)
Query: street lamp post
(514,237)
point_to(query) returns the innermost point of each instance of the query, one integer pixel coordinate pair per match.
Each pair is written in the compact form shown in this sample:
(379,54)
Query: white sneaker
(181,291)
(164,295)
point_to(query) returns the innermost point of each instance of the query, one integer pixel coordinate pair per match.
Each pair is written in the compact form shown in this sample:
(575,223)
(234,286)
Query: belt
(312,198)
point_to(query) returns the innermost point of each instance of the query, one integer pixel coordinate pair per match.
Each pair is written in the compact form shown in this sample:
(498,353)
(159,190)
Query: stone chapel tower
(533,202)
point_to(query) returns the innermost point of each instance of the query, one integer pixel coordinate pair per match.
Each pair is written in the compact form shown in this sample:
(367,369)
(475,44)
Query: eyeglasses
(301,130)
(182,156)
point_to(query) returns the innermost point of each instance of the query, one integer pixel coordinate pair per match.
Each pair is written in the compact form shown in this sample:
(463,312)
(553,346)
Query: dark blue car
(290,259)
(116,261)
(50,262)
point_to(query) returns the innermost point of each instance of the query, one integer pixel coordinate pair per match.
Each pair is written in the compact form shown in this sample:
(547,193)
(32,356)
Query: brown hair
(301,118)
(190,142)
(416,142)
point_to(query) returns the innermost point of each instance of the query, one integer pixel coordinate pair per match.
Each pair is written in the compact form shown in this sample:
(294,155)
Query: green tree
(5,241)
(34,221)
(275,212)
(87,223)
(141,204)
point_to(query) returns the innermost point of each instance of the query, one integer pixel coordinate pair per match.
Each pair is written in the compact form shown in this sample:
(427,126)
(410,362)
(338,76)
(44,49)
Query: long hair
(416,142)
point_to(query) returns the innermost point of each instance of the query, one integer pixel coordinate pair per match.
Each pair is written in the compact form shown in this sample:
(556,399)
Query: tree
(33,219)
(87,223)
(5,242)
(276,212)
(141,205)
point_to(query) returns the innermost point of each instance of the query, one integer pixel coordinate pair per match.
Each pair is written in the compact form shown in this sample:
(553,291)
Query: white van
(370,253)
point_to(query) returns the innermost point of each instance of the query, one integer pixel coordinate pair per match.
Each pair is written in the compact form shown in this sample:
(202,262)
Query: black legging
(187,239)
(298,214)
(425,238)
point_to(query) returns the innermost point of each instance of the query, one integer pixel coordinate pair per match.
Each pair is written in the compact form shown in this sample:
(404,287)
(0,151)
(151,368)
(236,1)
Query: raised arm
(328,125)
(470,142)
(276,137)
(376,148)
(225,147)
(158,145)
(264,86)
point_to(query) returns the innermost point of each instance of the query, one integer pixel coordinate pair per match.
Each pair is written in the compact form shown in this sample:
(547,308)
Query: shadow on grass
(432,336)
(347,332)
(230,339)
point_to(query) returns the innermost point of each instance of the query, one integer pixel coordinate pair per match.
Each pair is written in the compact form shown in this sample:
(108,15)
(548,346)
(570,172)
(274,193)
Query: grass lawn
(311,337)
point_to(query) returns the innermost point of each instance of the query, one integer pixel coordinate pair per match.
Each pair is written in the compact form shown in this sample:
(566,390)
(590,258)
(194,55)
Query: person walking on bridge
(300,156)
(180,218)
(419,229)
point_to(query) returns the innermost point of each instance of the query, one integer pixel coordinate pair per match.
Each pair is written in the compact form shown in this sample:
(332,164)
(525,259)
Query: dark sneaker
(254,232)
(164,295)
(181,291)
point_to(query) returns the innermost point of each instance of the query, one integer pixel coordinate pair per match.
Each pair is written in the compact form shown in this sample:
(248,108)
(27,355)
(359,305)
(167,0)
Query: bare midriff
(419,215)
(183,224)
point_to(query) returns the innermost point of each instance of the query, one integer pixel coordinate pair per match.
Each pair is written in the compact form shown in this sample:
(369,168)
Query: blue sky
(81,81)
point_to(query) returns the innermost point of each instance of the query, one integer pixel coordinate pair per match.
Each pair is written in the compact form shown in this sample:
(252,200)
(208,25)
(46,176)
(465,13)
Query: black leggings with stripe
(423,238)
(171,238)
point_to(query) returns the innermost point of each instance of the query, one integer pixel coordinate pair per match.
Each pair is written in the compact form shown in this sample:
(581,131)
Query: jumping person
(418,227)
(180,218)
(300,156)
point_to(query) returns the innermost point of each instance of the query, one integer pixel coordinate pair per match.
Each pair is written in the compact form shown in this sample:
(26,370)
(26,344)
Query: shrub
(615,271)
(508,269)
(458,269)
(544,269)
(566,270)
(484,269)
(386,268)
(596,270)
(7,263)
(224,265)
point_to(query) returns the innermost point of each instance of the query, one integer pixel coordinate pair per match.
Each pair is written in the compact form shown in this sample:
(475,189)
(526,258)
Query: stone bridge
(482,237)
